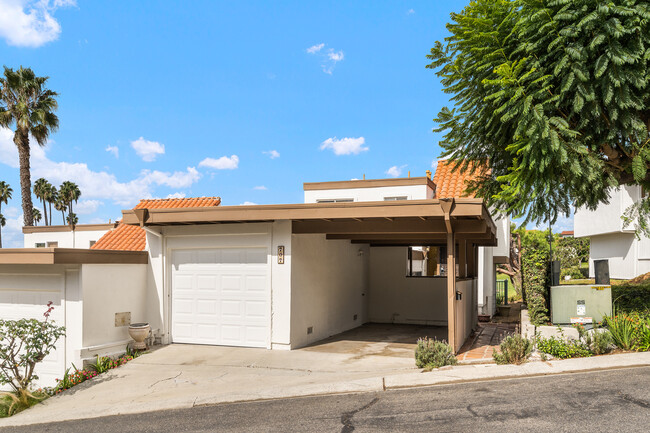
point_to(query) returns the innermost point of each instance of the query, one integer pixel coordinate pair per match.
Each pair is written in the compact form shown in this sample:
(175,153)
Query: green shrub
(632,298)
(560,348)
(622,328)
(432,353)
(514,350)
(535,272)
(102,364)
(599,341)
(575,272)
(642,335)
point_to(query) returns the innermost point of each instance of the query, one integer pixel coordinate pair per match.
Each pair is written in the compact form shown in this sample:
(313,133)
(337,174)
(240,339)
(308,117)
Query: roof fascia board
(368,183)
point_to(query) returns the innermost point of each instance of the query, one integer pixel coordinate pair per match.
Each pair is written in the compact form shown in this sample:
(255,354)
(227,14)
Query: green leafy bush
(632,298)
(560,348)
(535,271)
(623,328)
(642,335)
(575,272)
(23,344)
(432,353)
(599,341)
(101,365)
(514,349)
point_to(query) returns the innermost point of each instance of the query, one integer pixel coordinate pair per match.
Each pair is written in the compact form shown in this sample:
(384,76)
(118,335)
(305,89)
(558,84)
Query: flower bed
(102,365)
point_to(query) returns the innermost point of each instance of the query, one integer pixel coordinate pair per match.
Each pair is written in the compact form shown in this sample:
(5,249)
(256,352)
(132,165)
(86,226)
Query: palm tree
(37,216)
(29,106)
(70,192)
(5,193)
(60,205)
(51,197)
(72,220)
(3,222)
(41,188)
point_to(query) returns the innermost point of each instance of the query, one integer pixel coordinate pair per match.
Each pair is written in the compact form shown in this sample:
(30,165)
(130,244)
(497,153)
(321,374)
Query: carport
(307,243)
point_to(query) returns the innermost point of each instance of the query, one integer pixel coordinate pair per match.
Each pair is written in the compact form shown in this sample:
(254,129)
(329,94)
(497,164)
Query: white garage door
(221,296)
(23,296)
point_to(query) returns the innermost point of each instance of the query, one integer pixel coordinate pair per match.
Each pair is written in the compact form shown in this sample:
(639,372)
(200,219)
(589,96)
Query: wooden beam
(401,225)
(451,291)
(462,258)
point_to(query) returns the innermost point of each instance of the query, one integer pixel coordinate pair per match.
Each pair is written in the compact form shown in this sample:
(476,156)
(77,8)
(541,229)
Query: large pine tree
(553,97)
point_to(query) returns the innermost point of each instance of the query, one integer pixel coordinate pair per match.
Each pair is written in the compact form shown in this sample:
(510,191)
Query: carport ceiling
(409,222)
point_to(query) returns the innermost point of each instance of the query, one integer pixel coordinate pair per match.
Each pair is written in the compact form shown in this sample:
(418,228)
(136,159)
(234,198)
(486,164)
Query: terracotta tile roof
(171,203)
(133,238)
(451,183)
(124,237)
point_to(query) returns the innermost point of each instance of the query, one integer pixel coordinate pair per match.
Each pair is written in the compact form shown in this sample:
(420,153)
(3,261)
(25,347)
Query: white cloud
(177,179)
(272,153)
(345,146)
(260,188)
(114,150)
(12,233)
(147,150)
(410,12)
(434,164)
(87,207)
(30,23)
(315,48)
(329,57)
(95,184)
(223,163)
(248,203)
(395,171)
(176,195)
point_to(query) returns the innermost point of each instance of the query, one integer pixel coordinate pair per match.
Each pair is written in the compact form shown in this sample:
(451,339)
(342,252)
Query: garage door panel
(229,297)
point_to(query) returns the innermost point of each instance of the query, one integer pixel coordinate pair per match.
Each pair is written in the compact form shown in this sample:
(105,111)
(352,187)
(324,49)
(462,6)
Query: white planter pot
(139,332)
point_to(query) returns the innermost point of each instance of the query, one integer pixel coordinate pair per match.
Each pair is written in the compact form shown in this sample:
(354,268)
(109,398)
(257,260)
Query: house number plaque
(280,254)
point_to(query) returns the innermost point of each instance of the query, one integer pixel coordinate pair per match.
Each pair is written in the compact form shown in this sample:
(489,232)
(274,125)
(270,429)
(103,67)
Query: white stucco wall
(108,289)
(466,310)
(607,217)
(66,239)
(396,298)
(412,192)
(329,287)
(620,249)
(25,291)
(502,223)
(486,283)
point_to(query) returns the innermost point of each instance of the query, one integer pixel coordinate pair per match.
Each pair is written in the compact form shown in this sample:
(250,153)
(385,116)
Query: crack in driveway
(163,380)
(346,418)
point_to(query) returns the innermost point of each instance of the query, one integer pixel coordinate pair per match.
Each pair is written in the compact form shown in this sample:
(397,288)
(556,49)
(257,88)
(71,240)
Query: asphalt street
(612,400)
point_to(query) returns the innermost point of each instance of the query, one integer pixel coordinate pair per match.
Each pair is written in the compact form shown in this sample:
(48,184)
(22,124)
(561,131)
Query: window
(53,244)
(395,198)
(40,245)
(427,261)
(92,243)
(335,200)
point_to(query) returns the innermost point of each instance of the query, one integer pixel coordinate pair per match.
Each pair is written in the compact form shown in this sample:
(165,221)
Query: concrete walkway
(183,376)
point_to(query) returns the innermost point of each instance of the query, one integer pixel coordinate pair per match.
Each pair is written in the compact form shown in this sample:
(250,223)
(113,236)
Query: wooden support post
(451,290)
(462,258)
(471,260)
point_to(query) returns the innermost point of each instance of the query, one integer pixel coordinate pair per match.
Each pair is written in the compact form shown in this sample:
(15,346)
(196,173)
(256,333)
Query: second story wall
(63,236)
(607,217)
(414,188)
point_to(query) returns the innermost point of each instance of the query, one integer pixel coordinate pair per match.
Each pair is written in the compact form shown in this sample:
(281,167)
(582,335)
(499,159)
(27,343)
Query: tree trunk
(21,139)
(0,237)
(45,211)
(51,214)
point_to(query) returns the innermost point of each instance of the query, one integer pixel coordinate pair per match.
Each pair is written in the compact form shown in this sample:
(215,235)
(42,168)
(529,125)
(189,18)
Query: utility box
(580,304)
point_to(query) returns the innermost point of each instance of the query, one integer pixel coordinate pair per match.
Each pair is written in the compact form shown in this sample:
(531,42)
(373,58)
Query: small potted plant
(139,332)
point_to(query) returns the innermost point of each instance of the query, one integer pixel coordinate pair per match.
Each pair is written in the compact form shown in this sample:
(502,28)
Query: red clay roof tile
(133,238)
(451,183)
(172,203)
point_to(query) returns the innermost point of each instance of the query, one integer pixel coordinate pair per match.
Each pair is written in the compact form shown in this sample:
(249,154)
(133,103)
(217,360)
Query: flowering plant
(23,344)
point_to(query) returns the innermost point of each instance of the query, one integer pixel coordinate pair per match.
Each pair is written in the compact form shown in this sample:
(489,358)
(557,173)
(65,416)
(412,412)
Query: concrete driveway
(181,376)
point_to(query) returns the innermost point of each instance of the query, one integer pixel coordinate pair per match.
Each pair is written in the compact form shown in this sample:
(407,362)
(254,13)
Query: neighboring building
(628,256)
(270,276)
(83,235)
(566,234)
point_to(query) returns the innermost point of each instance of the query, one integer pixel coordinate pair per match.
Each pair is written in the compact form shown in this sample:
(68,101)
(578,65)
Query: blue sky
(242,100)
